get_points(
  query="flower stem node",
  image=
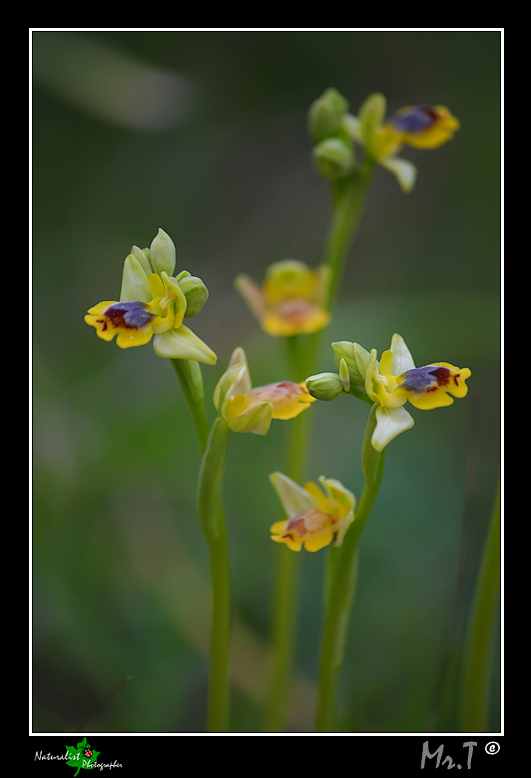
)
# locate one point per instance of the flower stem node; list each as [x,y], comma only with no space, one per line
[290,300]
[325,386]
[246,409]
[317,515]
[153,304]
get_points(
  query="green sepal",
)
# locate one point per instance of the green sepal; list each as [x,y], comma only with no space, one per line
[230,382]
[135,284]
[390,422]
[402,358]
[181,343]
[294,498]
[257,419]
[143,258]
[404,171]
[211,478]
[371,115]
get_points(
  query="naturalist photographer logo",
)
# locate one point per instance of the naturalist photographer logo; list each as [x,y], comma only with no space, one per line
[82,757]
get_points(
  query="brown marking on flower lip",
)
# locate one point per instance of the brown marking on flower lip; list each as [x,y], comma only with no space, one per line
[431,112]
[456,376]
[117,318]
[298,526]
[442,374]
[294,310]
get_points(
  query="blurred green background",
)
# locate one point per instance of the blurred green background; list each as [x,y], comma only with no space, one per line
[204,134]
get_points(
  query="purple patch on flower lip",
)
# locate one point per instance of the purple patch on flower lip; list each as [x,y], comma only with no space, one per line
[133,315]
[417,119]
[425,379]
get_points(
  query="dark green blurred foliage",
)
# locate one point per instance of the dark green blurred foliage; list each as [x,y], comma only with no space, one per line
[204,134]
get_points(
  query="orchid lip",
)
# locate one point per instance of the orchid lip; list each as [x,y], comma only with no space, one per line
[417,119]
[425,379]
[131,315]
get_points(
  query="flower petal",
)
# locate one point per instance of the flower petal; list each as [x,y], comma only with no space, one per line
[294,317]
[341,500]
[318,540]
[431,386]
[288,398]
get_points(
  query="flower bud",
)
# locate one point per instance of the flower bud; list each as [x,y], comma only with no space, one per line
[195,292]
[326,114]
[325,386]
[162,253]
[333,158]
[355,358]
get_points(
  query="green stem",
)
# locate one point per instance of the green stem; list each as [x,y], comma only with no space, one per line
[219,682]
[339,601]
[349,196]
[212,523]
[189,375]
[285,596]
[477,662]
[348,199]
[213,446]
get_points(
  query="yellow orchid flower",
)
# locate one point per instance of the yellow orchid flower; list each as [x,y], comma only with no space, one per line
[394,380]
[419,126]
[246,409]
[153,304]
[424,126]
[291,299]
[317,516]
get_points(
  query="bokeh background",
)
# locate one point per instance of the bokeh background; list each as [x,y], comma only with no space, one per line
[204,134]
